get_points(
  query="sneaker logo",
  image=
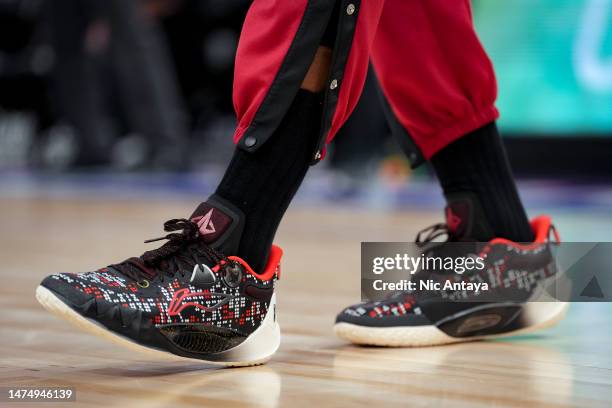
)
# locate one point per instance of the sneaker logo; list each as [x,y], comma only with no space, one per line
[180,301]
[452,220]
[476,323]
[205,223]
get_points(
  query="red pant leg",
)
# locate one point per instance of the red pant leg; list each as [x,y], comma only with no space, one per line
[434,71]
[278,42]
[269,29]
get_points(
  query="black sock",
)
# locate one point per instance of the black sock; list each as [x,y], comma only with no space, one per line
[263,183]
[483,202]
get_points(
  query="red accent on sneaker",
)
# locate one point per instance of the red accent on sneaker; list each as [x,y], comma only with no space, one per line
[541,226]
[459,214]
[453,221]
[271,268]
[176,305]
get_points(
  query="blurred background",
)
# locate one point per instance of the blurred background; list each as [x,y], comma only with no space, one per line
[135,96]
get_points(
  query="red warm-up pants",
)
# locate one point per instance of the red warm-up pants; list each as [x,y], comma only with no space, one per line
[432,68]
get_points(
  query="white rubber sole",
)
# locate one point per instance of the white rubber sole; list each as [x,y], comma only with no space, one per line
[257,349]
[540,315]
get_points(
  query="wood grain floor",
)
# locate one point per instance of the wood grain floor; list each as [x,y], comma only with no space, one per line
[570,365]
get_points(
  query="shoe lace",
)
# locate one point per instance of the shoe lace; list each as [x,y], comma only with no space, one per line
[182,251]
[432,232]
[425,239]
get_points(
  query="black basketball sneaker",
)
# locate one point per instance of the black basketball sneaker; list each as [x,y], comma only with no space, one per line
[515,273]
[186,298]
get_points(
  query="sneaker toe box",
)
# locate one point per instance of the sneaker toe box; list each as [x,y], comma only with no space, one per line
[66,287]
[74,293]
[363,315]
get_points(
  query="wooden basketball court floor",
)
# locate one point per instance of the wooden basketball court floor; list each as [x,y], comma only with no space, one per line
[570,365]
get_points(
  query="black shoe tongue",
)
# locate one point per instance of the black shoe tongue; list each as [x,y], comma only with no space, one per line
[220,224]
[465,218]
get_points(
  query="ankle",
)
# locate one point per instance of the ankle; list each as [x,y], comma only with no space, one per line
[477,164]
